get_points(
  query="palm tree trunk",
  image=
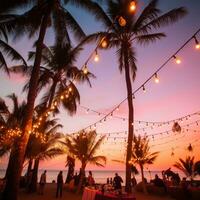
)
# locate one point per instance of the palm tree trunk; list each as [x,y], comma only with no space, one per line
[53,90]
[12,183]
[143,181]
[9,167]
[82,176]
[130,124]
[33,185]
[29,165]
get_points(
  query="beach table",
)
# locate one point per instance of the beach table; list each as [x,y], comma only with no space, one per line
[89,194]
[100,196]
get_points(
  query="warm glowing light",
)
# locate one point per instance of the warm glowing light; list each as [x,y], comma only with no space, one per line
[104,43]
[132,6]
[130,162]
[55,103]
[122,21]
[177,60]
[62,97]
[117,108]
[70,89]
[96,57]
[197,46]
[85,69]
[156,79]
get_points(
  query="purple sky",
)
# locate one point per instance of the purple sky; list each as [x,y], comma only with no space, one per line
[176,95]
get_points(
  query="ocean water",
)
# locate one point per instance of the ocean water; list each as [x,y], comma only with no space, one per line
[99,176]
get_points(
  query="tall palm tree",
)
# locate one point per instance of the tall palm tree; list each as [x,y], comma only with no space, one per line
[41,16]
[59,71]
[126,29]
[188,166]
[45,144]
[84,148]
[141,155]
[10,120]
[70,163]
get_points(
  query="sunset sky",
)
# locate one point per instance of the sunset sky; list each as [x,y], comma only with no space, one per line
[175,96]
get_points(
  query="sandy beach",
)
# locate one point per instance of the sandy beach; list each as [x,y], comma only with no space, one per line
[50,190]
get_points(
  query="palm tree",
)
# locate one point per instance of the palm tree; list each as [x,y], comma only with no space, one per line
[10,121]
[71,166]
[58,71]
[188,166]
[45,144]
[141,155]
[45,13]
[126,29]
[84,148]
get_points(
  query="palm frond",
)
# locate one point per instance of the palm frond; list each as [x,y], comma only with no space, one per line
[149,38]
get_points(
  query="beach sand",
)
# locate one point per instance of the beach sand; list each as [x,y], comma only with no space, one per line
[50,191]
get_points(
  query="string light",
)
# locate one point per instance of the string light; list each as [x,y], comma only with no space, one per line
[197,45]
[85,69]
[156,79]
[104,43]
[132,6]
[177,60]
[70,89]
[123,23]
[96,57]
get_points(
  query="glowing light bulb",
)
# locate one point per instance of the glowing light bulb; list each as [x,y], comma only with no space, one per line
[197,46]
[70,89]
[62,97]
[96,57]
[132,6]
[177,60]
[156,79]
[122,21]
[104,43]
[85,70]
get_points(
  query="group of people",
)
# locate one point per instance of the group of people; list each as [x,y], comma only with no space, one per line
[59,182]
[117,181]
[172,180]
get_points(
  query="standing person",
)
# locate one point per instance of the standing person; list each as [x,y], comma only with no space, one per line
[111,181]
[76,179]
[118,183]
[59,184]
[42,182]
[91,181]
[134,182]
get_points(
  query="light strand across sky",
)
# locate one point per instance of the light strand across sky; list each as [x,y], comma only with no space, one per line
[154,75]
